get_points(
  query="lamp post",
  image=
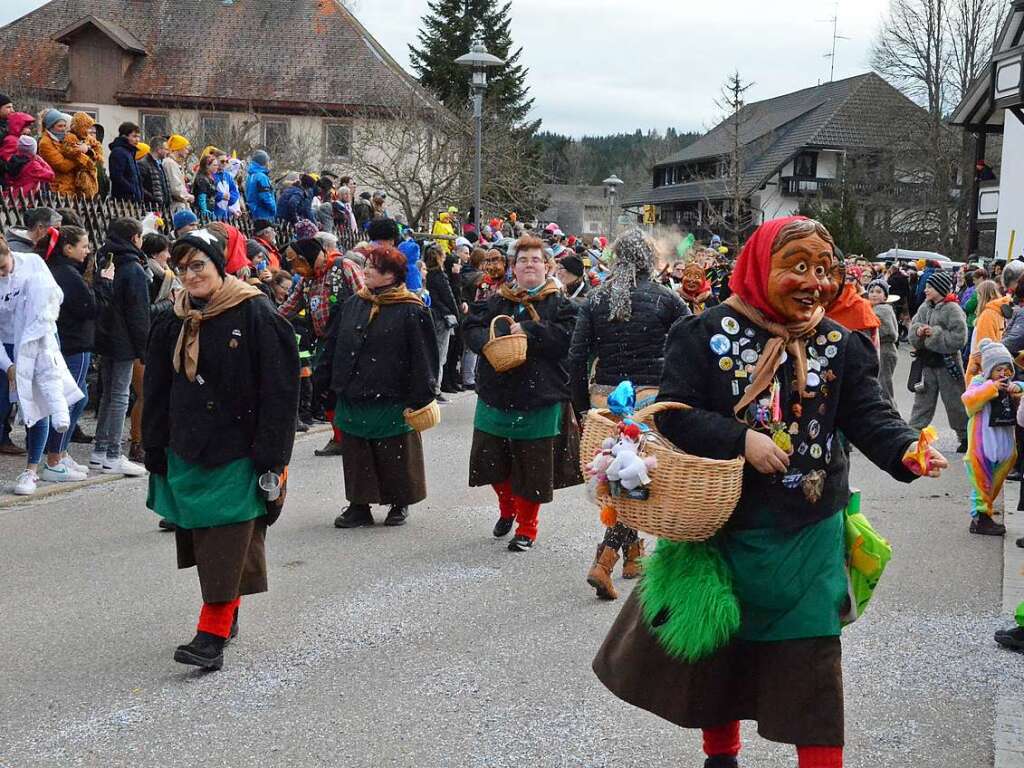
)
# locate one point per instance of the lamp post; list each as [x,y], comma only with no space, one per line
[612,183]
[478,60]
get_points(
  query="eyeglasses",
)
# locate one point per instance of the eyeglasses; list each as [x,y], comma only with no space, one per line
[196,266]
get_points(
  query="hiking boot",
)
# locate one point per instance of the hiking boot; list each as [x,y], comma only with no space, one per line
[354,516]
[600,574]
[631,567]
[721,761]
[136,453]
[7,448]
[78,436]
[520,543]
[331,449]
[983,525]
[205,650]
[1011,638]
[397,515]
[503,526]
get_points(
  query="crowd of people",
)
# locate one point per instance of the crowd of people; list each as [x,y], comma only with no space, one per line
[215,348]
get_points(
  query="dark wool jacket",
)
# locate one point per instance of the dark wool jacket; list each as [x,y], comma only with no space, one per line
[442,300]
[123,327]
[843,378]
[125,180]
[154,182]
[633,350]
[394,359]
[243,401]
[76,325]
[543,379]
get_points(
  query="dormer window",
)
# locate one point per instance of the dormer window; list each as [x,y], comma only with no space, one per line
[805,165]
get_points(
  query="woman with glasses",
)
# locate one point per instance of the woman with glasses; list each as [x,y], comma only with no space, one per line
[525,437]
[222,388]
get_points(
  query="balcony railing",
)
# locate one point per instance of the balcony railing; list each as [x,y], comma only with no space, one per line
[829,189]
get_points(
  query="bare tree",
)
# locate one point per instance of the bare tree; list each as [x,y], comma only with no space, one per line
[972,28]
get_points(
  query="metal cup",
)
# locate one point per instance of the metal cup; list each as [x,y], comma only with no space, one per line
[270,485]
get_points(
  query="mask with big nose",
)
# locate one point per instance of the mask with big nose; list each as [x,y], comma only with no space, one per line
[799,279]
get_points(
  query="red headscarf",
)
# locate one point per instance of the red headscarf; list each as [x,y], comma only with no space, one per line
[235,254]
[750,277]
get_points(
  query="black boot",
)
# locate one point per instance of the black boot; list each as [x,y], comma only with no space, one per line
[166,525]
[301,426]
[331,449]
[984,525]
[354,516]
[503,526]
[1011,638]
[397,515]
[721,761]
[205,650]
[962,448]
[78,436]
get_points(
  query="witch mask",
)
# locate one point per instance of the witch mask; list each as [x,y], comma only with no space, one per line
[799,279]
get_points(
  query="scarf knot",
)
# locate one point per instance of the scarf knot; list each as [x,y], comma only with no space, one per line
[527,299]
[395,295]
[186,352]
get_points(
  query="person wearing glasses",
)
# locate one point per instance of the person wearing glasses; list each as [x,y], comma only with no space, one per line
[222,389]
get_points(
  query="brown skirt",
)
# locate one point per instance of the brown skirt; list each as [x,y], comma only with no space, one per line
[385,470]
[792,688]
[536,468]
[231,559]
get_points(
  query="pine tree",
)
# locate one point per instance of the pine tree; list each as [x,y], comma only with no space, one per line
[448,30]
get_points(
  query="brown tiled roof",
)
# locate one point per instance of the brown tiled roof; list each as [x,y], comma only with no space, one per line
[261,54]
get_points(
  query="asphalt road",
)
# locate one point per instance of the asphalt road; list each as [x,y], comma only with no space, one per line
[432,645]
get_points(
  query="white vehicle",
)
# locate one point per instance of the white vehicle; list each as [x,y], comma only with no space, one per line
[901,254]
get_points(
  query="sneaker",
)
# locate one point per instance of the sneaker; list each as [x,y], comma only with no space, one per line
[122,466]
[205,650]
[354,516]
[73,465]
[983,525]
[25,485]
[1011,638]
[97,459]
[503,526]
[397,515]
[7,448]
[60,473]
[519,544]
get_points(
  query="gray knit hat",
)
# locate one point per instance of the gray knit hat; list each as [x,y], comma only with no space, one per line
[992,354]
[941,282]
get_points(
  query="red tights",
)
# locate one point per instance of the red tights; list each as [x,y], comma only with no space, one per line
[216,618]
[725,741]
[511,506]
[330,420]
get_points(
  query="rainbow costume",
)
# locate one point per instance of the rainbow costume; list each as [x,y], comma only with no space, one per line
[991,445]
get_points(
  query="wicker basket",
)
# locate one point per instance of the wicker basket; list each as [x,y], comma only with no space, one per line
[505,352]
[690,497]
[424,418]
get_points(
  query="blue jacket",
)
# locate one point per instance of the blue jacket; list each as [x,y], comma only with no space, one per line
[227,194]
[294,204]
[413,278]
[259,194]
[125,179]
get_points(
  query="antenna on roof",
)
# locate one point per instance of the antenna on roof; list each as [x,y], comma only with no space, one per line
[836,37]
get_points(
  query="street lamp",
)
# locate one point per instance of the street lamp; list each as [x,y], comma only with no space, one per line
[478,60]
[612,183]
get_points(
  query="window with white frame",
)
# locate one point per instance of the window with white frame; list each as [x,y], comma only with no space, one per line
[275,133]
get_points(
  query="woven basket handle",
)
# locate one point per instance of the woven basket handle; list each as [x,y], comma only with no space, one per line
[647,414]
[511,322]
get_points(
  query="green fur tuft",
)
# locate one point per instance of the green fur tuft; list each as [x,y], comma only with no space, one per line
[687,599]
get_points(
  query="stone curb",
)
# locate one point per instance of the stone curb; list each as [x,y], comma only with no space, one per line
[1009,720]
[48,490]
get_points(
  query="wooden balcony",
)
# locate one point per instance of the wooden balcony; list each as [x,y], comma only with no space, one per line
[830,189]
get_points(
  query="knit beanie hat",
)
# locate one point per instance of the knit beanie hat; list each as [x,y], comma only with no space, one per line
[308,249]
[992,354]
[5,100]
[141,150]
[305,229]
[183,219]
[176,142]
[879,284]
[261,158]
[941,282]
[26,145]
[573,264]
[206,241]
[53,116]
[260,224]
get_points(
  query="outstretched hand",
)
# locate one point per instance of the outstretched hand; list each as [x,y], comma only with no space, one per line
[935,463]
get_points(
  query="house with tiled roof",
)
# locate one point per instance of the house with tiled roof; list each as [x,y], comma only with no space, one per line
[792,147]
[257,72]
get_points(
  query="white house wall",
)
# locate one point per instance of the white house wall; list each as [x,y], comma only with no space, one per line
[1010,222]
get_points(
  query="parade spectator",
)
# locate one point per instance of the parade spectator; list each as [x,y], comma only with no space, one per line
[38,222]
[296,201]
[992,315]
[121,337]
[525,438]
[221,392]
[65,160]
[155,185]
[81,138]
[18,124]
[183,222]
[444,310]
[27,171]
[323,204]
[569,273]
[204,188]
[378,206]
[781,665]
[125,181]
[938,332]
[227,188]
[35,375]
[623,326]
[363,210]
[178,148]
[266,235]
[443,230]
[345,225]
[6,110]
[380,359]
[66,256]
[888,337]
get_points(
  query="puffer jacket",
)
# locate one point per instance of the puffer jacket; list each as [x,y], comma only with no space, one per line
[123,327]
[949,330]
[633,350]
[16,123]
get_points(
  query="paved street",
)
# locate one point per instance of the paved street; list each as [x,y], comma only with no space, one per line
[431,645]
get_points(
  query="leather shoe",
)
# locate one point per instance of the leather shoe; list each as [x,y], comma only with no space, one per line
[397,515]
[354,516]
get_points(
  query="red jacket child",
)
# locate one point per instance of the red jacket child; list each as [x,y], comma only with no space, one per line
[27,171]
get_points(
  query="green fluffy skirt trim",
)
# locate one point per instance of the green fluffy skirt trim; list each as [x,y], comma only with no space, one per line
[687,599]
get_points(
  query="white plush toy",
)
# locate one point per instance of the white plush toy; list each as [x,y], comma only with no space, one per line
[628,468]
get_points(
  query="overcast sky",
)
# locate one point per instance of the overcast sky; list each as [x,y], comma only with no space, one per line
[603,66]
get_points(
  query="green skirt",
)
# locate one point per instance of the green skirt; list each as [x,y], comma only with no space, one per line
[193,496]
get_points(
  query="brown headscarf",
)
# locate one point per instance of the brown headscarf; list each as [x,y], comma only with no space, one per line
[232,293]
[790,337]
[526,299]
[397,294]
